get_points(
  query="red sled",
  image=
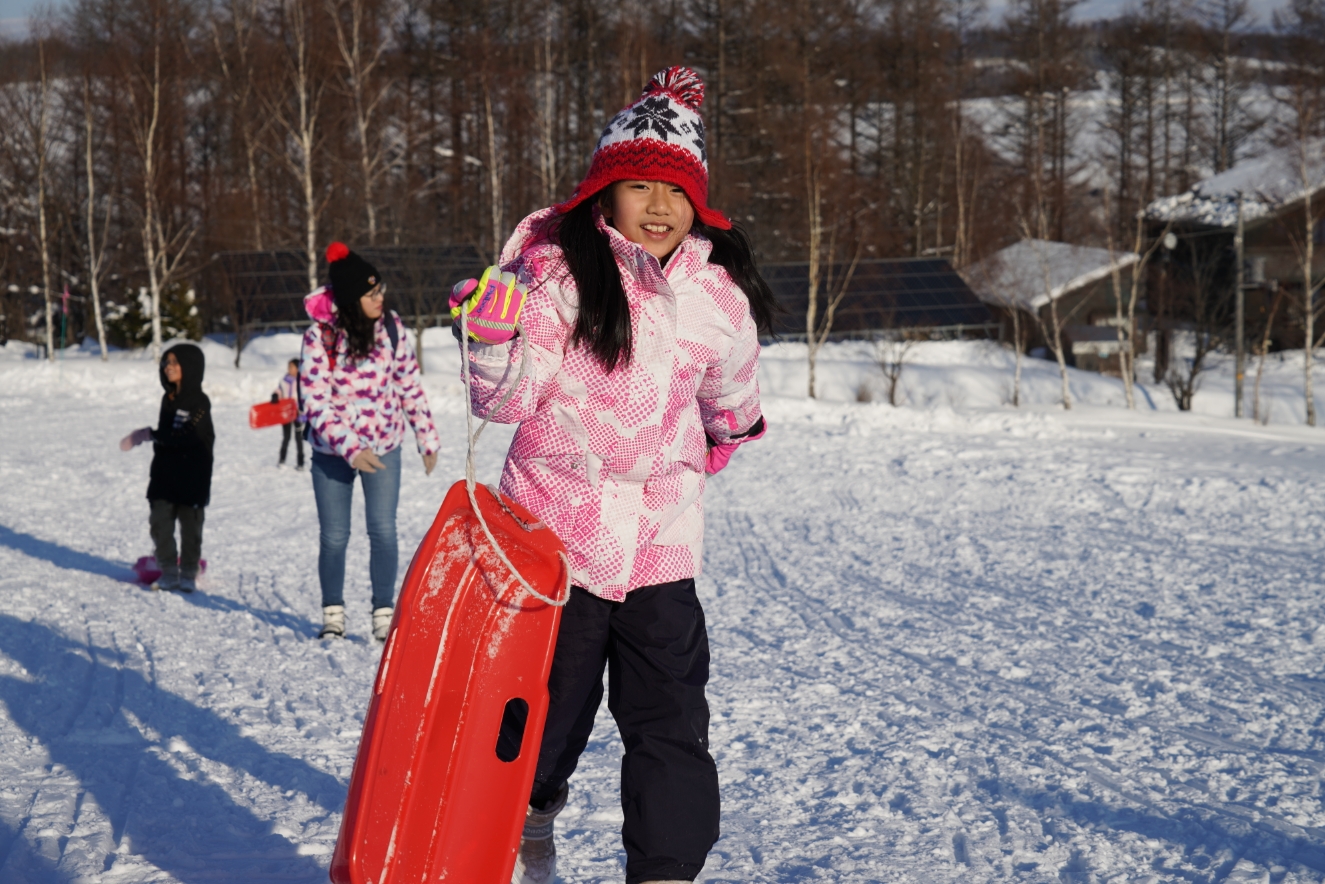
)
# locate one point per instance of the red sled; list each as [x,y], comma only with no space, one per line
[148,570]
[271,414]
[434,796]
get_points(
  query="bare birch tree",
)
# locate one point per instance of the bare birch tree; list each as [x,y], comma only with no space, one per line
[235,54]
[1262,353]
[1303,97]
[363,42]
[41,141]
[1125,322]
[1053,330]
[164,248]
[96,252]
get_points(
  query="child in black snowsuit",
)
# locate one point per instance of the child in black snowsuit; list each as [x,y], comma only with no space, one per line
[181,478]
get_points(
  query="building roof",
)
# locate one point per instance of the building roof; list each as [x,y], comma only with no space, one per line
[1267,184]
[918,293]
[1030,273]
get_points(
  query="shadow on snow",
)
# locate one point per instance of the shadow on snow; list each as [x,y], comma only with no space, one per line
[113,730]
[72,559]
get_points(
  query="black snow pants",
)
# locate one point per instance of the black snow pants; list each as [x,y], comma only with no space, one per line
[297,431]
[162,524]
[656,651]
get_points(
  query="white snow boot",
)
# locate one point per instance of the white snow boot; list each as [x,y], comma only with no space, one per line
[187,583]
[333,622]
[537,861]
[168,581]
[382,622]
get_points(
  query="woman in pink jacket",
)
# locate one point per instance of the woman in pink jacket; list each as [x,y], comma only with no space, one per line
[361,386]
[640,309]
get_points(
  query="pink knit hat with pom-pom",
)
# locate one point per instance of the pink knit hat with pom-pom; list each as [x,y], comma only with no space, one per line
[658,138]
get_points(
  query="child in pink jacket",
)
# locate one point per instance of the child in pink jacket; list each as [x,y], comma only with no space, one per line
[639,310]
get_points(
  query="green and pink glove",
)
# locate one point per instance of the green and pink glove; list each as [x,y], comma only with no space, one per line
[492,304]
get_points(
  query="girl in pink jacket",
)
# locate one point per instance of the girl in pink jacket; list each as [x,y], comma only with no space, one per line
[639,310]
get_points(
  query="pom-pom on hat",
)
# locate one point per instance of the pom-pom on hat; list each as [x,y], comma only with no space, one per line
[351,276]
[658,138]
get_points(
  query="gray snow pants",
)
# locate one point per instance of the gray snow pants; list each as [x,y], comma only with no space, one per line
[162,522]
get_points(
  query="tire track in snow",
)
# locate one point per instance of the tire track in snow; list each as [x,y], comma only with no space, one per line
[1036,701]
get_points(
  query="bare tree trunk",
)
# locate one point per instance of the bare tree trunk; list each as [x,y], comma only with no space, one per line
[494,177]
[1115,276]
[816,234]
[547,148]
[41,205]
[1138,273]
[241,82]
[1308,297]
[1260,365]
[1056,341]
[308,98]
[147,147]
[1016,357]
[95,256]
[360,66]
[162,266]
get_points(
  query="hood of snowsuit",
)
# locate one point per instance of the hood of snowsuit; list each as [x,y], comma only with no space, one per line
[192,365]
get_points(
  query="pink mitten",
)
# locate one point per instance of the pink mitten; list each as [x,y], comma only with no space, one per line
[136,438]
[492,304]
[719,455]
[321,306]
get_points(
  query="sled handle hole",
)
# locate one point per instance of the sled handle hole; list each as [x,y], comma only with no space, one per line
[511,735]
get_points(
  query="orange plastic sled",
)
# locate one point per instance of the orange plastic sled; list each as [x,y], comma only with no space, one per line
[271,414]
[433,796]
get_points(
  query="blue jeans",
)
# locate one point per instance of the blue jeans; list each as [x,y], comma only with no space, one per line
[333,488]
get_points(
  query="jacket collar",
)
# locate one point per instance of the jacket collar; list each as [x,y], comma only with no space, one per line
[692,253]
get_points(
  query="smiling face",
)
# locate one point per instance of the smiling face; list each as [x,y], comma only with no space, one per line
[174,373]
[653,214]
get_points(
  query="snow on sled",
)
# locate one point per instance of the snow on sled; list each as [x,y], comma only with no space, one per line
[148,570]
[436,795]
[271,414]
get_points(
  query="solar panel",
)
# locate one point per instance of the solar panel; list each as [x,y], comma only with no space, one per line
[268,287]
[914,293]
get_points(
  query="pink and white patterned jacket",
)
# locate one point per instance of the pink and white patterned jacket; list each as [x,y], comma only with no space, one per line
[362,405]
[614,463]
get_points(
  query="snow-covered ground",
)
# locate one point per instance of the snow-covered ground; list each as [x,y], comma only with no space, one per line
[953,641]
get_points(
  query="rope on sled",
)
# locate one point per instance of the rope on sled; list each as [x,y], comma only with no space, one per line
[471,437]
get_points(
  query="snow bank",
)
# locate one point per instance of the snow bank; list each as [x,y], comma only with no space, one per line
[978,375]
[953,375]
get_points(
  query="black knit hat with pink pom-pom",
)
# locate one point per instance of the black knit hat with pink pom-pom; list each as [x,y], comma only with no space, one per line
[351,276]
[658,138]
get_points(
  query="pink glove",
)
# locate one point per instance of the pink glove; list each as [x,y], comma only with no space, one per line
[320,306]
[492,304]
[720,453]
[136,438]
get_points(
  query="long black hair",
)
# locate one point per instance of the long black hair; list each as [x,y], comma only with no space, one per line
[360,331]
[603,324]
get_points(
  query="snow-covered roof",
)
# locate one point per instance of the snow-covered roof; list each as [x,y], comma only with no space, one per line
[1267,183]
[1029,273]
